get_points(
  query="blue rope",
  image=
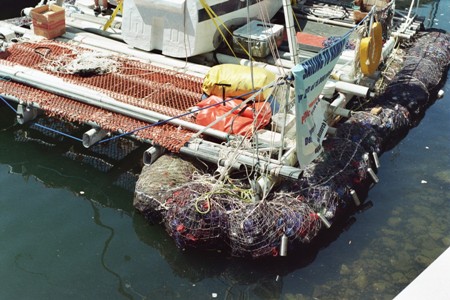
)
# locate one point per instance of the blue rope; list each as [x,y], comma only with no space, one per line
[9,105]
[178,116]
[59,132]
[141,128]
[165,121]
[42,126]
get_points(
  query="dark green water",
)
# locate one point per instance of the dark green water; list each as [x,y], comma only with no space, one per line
[68,231]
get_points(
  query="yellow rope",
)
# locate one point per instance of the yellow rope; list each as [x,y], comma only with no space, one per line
[213,16]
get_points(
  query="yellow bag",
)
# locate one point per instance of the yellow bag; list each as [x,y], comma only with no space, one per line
[236,80]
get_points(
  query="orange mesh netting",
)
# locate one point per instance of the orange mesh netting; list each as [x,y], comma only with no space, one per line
[136,83]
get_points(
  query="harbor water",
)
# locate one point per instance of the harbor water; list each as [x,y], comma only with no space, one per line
[69,230]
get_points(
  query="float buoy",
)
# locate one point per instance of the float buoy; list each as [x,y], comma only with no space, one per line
[370,50]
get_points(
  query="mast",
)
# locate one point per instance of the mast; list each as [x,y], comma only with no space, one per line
[290,30]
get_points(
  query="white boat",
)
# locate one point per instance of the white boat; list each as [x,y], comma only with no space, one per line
[184,28]
[281,173]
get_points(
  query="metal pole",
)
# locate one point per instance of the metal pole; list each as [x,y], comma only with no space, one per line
[58,86]
[288,15]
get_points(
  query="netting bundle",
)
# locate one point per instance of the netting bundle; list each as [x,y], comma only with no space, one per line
[152,192]
[256,230]
[407,92]
[205,213]
[360,133]
[422,69]
[434,46]
[196,216]
[389,124]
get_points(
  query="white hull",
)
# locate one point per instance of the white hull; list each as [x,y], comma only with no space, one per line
[182,28]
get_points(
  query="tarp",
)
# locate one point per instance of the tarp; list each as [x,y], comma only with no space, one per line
[310,78]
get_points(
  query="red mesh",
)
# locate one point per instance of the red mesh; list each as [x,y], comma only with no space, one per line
[135,83]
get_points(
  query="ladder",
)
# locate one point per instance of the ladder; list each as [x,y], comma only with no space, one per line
[119,8]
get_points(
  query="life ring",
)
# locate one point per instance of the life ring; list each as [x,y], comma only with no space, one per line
[370,50]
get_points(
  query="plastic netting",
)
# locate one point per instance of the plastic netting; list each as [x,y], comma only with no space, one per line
[407,92]
[154,186]
[206,212]
[390,123]
[421,69]
[434,46]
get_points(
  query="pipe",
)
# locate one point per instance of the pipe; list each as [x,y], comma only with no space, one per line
[58,86]
[373,175]
[26,113]
[355,197]
[290,29]
[388,47]
[339,111]
[324,220]
[283,245]
[326,21]
[210,158]
[376,159]
[211,153]
[340,101]
[337,107]
[351,88]
[152,154]
[92,136]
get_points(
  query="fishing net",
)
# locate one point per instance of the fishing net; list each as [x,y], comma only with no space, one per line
[206,213]
[341,163]
[360,133]
[434,46]
[197,215]
[127,181]
[326,183]
[390,123]
[96,162]
[407,92]
[322,198]
[56,126]
[84,64]
[350,45]
[202,211]
[155,184]
[116,149]
[422,69]
[256,229]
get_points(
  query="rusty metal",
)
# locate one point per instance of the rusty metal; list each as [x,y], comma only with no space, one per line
[136,83]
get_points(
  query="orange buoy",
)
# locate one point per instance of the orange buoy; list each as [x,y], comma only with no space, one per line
[370,50]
